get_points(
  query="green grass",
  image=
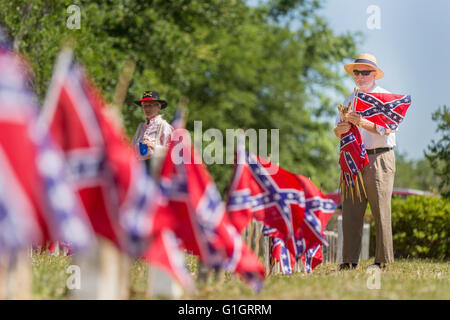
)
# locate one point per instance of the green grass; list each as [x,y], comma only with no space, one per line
[49,276]
[404,279]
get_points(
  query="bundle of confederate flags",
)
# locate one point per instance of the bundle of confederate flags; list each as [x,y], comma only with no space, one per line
[386,111]
[69,174]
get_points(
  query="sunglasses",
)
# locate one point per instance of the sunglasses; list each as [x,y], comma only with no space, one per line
[363,72]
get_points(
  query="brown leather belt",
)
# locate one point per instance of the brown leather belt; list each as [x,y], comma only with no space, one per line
[378,150]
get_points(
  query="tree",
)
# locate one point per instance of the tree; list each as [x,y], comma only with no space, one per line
[239,66]
[439,151]
[414,174]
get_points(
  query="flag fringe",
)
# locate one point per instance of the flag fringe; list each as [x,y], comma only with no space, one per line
[358,190]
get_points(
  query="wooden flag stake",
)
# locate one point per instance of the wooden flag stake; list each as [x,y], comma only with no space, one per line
[160,283]
[105,270]
[120,92]
[21,277]
[88,263]
[114,281]
[115,265]
[114,272]
[15,276]
[4,267]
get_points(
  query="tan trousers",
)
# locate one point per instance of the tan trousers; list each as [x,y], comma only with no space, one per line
[378,179]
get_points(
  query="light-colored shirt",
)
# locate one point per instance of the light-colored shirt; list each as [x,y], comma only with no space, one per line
[157,130]
[373,140]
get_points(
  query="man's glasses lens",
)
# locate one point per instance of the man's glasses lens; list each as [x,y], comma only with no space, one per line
[363,72]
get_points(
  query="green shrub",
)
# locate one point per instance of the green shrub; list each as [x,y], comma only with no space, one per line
[420,227]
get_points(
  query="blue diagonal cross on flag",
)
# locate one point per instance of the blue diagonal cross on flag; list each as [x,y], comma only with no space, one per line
[385,109]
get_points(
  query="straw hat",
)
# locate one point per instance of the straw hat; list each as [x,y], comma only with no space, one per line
[366,59]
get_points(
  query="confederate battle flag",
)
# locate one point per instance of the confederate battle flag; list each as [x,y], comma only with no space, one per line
[116,193]
[37,202]
[203,228]
[286,203]
[353,156]
[384,109]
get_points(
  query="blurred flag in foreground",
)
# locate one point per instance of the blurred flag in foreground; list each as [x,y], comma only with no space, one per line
[117,194]
[37,202]
[164,251]
[203,227]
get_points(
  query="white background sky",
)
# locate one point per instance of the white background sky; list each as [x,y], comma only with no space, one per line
[412,47]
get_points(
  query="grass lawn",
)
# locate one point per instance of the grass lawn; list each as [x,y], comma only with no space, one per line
[404,279]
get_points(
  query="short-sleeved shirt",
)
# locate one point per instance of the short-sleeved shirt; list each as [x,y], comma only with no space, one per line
[157,130]
[373,140]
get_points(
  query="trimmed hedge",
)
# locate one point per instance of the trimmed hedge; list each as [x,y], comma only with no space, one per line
[420,227]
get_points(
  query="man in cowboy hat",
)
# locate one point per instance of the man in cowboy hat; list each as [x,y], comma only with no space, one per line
[378,176]
[155,131]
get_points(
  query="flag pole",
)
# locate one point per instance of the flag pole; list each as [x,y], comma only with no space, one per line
[16,275]
[267,252]
[121,90]
[115,265]
[106,270]
[21,287]
[4,266]
[159,283]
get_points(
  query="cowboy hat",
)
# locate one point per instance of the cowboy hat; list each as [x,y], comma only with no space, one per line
[151,96]
[366,59]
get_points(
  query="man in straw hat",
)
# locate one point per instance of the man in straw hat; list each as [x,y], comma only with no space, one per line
[155,131]
[377,177]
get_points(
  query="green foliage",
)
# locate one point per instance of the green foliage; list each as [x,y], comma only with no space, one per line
[415,174]
[38,29]
[420,227]
[439,151]
[49,284]
[238,65]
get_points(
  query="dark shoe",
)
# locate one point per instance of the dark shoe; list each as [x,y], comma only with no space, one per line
[347,266]
[344,266]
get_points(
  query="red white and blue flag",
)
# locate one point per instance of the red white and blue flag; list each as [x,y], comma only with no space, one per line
[202,225]
[278,201]
[318,207]
[37,201]
[164,252]
[353,156]
[385,109]
[312,258]
[117,194]
[283,256]
[293,211]
[272,199]
[316,204]
[278,247]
